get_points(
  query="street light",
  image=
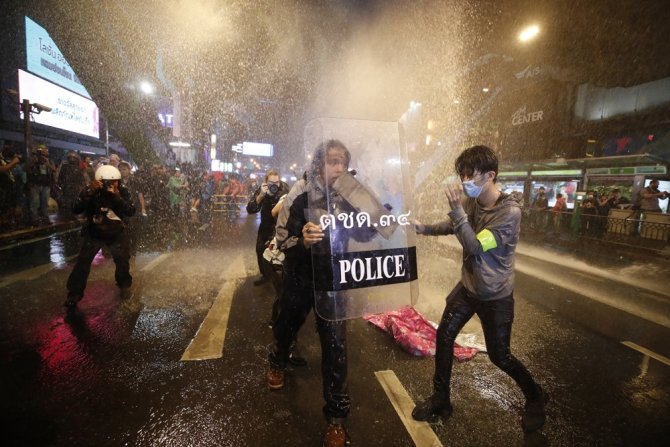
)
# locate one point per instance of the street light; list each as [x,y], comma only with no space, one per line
[146,88]
[529,33]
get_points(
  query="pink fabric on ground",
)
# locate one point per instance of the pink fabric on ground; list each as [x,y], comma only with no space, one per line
[414,333]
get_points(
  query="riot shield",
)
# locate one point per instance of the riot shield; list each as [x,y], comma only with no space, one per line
[366,263]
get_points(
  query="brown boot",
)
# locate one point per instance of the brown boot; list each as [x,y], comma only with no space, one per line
[275,378]
[336,436]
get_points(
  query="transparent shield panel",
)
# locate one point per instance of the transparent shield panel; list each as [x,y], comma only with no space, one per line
[366,262]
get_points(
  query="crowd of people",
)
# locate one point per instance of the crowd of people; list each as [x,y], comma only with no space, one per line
[32,190]
[485,220]
[594,208]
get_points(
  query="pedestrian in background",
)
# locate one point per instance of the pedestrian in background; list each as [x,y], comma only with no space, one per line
[651,196]
[8,202]
[71,182]
[540,207]
[40,171]
[486,223]
[264,199]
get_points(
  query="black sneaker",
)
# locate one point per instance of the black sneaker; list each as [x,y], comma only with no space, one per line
[432,409]
[534,415]
[294,357]
[296,360]
[125,293]
[260,281]
[70,303]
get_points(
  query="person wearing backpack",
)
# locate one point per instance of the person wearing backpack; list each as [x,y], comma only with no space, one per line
[106,203]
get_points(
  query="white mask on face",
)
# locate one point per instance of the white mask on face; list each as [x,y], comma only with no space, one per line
[471,189]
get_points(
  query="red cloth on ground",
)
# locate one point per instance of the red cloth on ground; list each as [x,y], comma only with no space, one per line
[414,333]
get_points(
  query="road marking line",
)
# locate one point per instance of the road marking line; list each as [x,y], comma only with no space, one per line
[646,352]
[150,266]
[421,432]
[30,274]
[595,295]
[234,270]
[208,341]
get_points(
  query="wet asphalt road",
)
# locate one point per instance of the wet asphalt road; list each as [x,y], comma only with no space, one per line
[111,373]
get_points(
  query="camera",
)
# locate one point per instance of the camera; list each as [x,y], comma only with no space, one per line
[273,188]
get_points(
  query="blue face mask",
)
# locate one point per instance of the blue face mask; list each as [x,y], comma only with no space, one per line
[471,189]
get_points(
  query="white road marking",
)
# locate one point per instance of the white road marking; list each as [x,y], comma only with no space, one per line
[150,266]
[646,352]
[208,341]
[421,432]
[605,297]
[30,274]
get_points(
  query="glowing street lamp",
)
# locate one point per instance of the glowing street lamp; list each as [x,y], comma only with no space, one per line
[146,88]
[529,33]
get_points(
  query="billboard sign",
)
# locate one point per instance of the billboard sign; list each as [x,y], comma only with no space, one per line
[69,112]
[45,59]
[257,149]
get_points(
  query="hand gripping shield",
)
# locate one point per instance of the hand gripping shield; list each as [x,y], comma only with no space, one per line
[366,263]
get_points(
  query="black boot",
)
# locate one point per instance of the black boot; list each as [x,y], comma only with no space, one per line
[71,302]
[431,409]
[294,357]
[534,416]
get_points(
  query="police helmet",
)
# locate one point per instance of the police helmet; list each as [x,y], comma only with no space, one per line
[107,172]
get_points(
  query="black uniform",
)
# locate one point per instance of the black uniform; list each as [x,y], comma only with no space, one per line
[102,229]
[297,299]
[267,227]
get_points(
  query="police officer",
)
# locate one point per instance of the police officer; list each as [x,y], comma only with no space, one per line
[106,203]
[264,199]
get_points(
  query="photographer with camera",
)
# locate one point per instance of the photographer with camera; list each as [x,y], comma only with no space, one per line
[40,172]
[106,203]
[264,199]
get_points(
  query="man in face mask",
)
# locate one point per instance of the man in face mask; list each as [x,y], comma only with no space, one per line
[486,223]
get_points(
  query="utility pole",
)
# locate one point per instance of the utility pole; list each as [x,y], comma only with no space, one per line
[26,107]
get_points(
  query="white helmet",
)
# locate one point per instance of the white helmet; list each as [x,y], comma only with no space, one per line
[107,172]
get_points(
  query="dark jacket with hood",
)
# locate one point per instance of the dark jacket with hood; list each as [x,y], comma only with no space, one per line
[489,238]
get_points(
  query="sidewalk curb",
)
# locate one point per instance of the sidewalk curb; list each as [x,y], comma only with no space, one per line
[43,230]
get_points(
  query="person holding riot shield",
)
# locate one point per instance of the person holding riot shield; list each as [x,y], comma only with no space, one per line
[486,224]
[297,238]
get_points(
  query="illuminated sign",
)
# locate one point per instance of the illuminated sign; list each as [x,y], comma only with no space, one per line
[513,174]
[521,117]
[558,172]
[628,170]
[166,119]
[69,112]
[257,149]
[45,59]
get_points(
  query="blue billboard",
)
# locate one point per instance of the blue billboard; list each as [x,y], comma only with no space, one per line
[45,59]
